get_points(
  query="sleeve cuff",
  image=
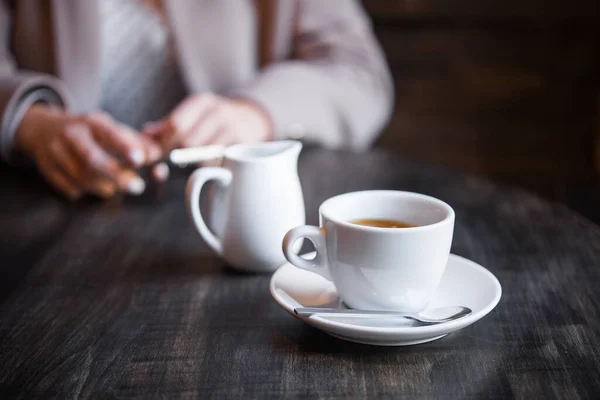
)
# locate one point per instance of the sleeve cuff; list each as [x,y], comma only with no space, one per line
[16,109]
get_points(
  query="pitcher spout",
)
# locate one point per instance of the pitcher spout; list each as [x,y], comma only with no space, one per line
[294,147]
[263,152]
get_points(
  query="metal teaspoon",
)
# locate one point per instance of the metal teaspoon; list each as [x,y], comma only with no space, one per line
[427,317]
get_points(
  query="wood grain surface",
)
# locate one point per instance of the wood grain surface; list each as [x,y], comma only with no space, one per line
[121,299]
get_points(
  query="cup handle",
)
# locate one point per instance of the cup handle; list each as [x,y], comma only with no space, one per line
[192,195]
[318,264]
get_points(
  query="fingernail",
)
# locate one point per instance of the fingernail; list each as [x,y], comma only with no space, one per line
[136,186]
[161,172]
[137,157]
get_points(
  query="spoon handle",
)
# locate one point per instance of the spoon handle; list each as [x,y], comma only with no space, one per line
[340,312]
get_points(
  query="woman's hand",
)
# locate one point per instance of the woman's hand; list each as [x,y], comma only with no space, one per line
[90,153]
[205,119]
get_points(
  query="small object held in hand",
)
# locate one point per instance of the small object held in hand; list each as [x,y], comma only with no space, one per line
[427,317]
[194,155]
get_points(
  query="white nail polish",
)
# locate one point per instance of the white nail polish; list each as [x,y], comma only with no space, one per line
[137,157]
[136,186]
[161,172]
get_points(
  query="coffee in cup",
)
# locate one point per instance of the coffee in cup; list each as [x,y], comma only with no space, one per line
[382,223]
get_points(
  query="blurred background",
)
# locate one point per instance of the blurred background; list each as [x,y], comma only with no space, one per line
[508,89]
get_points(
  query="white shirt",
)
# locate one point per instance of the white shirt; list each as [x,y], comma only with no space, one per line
[141,80]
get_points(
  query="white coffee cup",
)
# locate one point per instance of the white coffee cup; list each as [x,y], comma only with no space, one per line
[379,268]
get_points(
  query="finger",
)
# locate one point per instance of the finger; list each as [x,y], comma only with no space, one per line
[224,137]
[99,162]
[152,149]
[183,119]
[160,172]
[118,138]
[206,129]
[58,180]
[159,133]
[79,139]
[153,140]
[102,187]
[131,183]
[77,173]
[153,128]
[68,162]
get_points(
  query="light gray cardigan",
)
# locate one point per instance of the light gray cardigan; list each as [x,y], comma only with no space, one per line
[314,65]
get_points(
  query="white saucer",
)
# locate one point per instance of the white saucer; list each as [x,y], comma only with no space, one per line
[464,283]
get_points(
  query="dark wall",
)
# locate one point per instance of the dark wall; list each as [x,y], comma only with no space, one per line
[503,88]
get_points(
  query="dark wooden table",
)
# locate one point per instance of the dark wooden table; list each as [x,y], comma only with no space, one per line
[122,299]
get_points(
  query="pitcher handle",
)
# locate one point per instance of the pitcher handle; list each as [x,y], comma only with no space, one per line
[192,195]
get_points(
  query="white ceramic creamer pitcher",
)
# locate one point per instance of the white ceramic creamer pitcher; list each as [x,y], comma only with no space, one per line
[259,199]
